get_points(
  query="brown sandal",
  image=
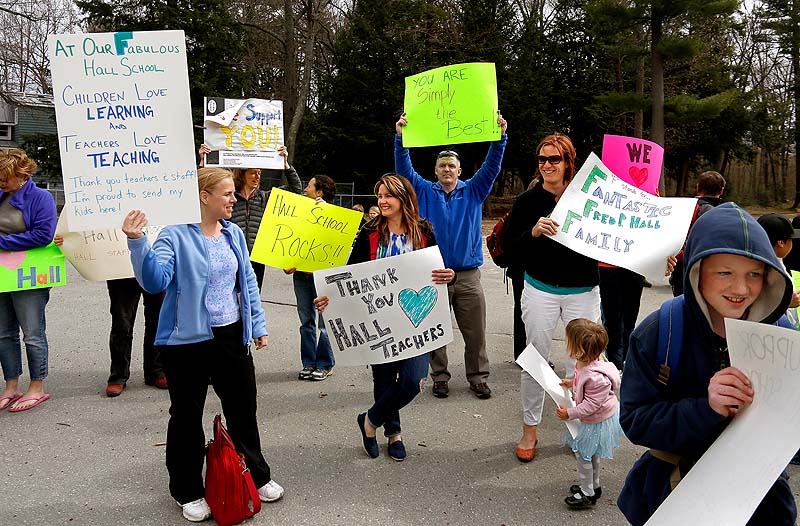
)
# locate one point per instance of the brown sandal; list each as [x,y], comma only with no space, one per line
[526,455]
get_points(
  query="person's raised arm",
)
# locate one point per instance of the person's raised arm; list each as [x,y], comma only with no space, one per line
[482,182]
[292,178]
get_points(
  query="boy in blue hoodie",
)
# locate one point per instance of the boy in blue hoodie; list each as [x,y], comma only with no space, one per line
[731,272]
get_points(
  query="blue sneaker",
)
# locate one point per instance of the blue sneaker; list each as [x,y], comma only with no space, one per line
[397,450]
[370,444]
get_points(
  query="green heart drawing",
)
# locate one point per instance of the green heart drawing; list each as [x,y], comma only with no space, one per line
[417,305]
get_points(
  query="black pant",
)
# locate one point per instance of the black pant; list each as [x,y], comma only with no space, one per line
[124,295]
[620,295]
[227,362]
[258,268]
[520,336]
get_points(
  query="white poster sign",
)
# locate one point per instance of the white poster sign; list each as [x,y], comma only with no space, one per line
[386,310]
[125,127]
[536,366]
[99,255]
[757,445]
[603,217]
[243,133]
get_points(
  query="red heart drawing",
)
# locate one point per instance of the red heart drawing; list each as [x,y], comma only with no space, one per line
[639,175]
[11,260]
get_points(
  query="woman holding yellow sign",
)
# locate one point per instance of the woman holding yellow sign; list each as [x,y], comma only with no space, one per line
[27,221]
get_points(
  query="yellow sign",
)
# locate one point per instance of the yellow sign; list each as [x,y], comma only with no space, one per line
[297,232]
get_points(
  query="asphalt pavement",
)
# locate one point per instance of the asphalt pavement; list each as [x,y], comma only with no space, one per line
[84,459]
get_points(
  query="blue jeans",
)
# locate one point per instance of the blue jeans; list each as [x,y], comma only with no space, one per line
[316,353]
[395,385]
[24,310]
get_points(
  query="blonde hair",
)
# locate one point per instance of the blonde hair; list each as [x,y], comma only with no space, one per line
[400,188]
[15,162]
[208,178]
[586,339]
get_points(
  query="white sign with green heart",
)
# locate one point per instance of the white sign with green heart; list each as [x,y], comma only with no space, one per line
[386,310]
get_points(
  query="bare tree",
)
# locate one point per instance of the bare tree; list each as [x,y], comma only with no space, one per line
[24,62]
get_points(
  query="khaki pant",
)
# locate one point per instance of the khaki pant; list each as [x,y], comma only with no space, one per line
[469,308]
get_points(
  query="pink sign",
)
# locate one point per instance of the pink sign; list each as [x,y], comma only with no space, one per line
[635,161]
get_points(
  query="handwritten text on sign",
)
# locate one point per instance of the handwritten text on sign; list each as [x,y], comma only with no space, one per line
[606,219]
[451,105]
[768,430]
[243,133]
[297,232]
[636,161]
[99,255]
[30,269]
[125,127]
[386,310]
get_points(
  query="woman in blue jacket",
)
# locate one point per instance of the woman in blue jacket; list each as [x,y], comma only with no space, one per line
[27,221]
[211,313]
[731,272]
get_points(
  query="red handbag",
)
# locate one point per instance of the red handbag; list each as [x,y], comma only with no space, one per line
[230,491]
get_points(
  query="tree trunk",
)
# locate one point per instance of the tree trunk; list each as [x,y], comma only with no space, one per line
[638,118]
[305,87]
[795,51]
[290,71]
[657,65]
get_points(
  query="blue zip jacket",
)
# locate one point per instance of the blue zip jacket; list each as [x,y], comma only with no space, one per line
[178,262]
[677,418]
[39,213]
[457,220]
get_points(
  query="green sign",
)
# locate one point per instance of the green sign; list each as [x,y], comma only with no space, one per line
[451,105]
[30,269]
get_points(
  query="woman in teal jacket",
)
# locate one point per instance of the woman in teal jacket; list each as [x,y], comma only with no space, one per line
[211,313]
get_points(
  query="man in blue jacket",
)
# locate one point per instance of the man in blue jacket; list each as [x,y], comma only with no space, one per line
[455,209]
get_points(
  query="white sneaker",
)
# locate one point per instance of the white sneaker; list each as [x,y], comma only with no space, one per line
[270,492]
[196,511]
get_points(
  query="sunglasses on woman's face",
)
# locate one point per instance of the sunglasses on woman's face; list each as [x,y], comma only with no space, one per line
[552,159]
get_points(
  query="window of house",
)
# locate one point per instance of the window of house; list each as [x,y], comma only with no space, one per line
[6,132]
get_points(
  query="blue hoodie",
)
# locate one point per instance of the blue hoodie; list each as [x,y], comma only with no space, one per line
[178,262]
[678,418]
[456,219]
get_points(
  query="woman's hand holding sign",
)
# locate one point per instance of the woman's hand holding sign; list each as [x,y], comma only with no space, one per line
[443,276]
[546,226]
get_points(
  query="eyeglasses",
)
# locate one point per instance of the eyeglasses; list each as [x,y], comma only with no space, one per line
[447,153]
[552,159]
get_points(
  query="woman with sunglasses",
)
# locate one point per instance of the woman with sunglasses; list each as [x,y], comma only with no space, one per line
[559,283]
[397,230]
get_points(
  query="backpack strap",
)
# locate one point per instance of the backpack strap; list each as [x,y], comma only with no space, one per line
[670,337]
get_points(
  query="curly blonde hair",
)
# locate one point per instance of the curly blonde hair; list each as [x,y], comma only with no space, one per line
[15,162]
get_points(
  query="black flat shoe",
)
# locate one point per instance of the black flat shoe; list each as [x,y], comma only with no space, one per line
[370,444]
[598,492]
[397,450]
[579,501]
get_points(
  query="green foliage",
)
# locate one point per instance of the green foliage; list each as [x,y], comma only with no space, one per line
[43,148]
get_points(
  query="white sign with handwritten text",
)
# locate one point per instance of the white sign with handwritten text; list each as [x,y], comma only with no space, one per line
[124,127]
[757,445]
[385,310]
[99,255]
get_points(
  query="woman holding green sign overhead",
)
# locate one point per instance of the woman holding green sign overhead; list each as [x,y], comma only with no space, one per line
[27,221]
[399,229]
